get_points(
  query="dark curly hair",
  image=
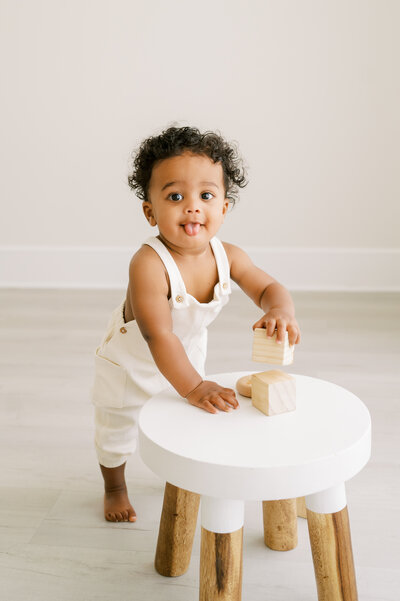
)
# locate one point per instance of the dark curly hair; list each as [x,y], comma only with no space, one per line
[176,140]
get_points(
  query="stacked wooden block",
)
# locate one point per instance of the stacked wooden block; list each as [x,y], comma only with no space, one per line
[272,392]
[268,350]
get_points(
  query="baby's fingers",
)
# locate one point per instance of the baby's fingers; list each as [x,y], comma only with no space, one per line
[207,406]
[229,397]
[270,327]
[281,327]
[212,403]
[294,335]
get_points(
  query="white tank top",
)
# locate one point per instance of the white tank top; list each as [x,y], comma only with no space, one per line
[124,344]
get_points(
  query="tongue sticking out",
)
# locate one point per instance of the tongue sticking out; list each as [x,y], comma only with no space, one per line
[192,228]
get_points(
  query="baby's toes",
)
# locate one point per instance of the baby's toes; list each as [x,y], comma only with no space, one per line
[131,515]
[124,515]
[110,517]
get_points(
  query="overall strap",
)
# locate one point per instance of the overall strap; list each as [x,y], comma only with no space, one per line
[178,290]
[222,265]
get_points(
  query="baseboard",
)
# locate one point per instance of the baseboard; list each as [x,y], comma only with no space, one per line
[350,269]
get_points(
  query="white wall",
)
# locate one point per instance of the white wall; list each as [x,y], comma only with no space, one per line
[308,88]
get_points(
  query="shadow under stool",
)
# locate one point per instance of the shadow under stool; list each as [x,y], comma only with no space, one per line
[224,459]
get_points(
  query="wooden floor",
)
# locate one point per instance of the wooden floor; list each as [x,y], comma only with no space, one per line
[54,542]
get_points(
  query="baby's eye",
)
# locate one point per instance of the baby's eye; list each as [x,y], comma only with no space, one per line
[174,195]
[210,196]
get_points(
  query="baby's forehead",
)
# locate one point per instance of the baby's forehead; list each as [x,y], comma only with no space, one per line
[186,167]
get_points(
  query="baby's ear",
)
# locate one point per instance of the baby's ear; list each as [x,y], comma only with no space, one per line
[148,212]
[225,206]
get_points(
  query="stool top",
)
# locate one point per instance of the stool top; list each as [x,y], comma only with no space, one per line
[245,454]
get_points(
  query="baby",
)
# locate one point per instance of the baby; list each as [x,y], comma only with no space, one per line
[178,283]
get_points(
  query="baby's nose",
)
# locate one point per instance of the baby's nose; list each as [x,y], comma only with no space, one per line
[192,206]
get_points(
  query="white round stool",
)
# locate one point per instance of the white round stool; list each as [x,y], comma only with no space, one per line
[227,458]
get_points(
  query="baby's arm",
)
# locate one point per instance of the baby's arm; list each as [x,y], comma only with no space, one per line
[149,299]
[267,293]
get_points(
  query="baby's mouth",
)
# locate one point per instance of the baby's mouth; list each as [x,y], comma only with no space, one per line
[192,228]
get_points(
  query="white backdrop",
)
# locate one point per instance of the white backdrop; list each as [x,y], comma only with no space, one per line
[309,89]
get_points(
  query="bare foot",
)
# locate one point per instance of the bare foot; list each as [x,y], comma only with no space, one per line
[117,507]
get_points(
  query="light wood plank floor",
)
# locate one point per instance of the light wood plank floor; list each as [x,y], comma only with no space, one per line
[54,542]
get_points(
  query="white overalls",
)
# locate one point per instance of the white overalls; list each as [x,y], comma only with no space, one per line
[125,372]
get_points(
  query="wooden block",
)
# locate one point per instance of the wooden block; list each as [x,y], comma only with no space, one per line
[243,386]
[273,392]
[267,350]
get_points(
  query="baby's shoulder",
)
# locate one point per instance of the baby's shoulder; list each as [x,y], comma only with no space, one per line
[233,252]
[146,264]
[145,253]
[146,257]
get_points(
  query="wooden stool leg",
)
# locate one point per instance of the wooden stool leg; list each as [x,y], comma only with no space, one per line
[301,507]
[332,555]
[280,524]
[177,529]
[221,566]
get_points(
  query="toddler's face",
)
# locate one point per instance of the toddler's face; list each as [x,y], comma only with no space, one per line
[186,200]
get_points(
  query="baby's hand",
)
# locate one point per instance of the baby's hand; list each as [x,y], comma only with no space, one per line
[210,395]
[282,321]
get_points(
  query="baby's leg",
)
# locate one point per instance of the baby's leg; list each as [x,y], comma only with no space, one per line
[117,507]
[115,440]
